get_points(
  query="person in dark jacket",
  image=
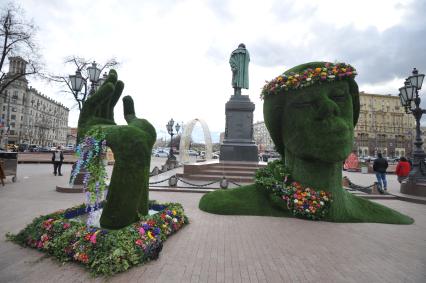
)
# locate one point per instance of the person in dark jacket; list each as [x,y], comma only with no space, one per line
[402,169]
[57,159]
[379,166]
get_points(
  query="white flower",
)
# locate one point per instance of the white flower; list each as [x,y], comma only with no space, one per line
[321,202]
[296,201]
[174,220]
[308,79]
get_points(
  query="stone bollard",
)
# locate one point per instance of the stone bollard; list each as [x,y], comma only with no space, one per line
[173,181]
[345,182]
[375,189]
[155,171]
[224,183]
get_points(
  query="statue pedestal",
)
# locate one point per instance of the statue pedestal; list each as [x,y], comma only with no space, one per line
[77,187]
[238,143]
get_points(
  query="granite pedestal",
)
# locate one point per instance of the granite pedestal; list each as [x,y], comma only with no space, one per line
[238,143]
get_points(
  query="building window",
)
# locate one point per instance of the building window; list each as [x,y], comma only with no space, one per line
[13,117]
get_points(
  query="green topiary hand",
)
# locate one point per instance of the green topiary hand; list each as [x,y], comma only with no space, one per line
[132,146]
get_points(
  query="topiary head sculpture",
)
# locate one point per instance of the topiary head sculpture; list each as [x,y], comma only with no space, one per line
[311,110]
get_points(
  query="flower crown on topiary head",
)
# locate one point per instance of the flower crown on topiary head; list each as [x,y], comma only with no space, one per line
[311,74]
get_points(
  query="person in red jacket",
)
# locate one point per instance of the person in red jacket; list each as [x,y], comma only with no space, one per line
[402,169]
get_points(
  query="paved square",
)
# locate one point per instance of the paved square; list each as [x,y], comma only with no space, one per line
[216,248]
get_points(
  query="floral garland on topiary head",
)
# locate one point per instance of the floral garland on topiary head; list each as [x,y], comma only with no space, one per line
[323,72]
[301,201]
[91,152]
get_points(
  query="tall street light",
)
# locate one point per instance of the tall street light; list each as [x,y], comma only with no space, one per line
[77,80]
[409,96]
[169,127]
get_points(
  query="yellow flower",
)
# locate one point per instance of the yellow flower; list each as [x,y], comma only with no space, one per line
[174,212]
[150,235]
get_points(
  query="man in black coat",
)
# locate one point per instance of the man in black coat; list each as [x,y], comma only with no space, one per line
[379,166]
[57,159]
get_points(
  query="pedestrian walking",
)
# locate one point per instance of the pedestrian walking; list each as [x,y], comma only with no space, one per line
[57,159]
[402,169]
[379,166]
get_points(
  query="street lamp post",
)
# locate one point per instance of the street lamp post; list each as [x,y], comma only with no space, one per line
[169,127]
[77,80]
[409,95]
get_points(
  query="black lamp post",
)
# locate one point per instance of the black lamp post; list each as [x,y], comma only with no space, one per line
[169,127]
[77,80]
[409,95]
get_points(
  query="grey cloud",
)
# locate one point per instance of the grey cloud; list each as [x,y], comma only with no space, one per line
[217,54]
[220,8]
[378,56]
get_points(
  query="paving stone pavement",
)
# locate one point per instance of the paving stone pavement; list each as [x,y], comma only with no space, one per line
[216,248]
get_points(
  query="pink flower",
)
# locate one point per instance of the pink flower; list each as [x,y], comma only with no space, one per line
[139,242]
[39,244]
[44,237]
[66,225]
[141,231]
[93,238]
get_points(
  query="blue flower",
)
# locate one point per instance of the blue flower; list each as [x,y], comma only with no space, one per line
[157,231]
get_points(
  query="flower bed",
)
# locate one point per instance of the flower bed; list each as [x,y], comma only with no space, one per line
[303,202]
[102,251]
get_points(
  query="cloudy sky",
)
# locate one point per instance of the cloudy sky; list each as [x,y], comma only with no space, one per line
[174,55]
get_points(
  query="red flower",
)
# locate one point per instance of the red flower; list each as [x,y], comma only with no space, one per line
[83,258]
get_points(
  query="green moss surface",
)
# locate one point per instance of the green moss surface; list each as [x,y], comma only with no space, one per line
[250,200]
[246,200]
[132,146]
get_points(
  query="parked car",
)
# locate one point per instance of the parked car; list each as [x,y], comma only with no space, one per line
[43,149]
[161,153]
[192,152]
[33,148]
[12,147]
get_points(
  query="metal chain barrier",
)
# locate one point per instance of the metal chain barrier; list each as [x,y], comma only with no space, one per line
[367,189]
[157,182]
[192,184]
[232,182]
[197,185]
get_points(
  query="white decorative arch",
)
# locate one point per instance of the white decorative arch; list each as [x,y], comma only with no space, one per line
[186,139]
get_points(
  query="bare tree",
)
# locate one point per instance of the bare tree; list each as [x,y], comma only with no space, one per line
[17,38]
[81,65]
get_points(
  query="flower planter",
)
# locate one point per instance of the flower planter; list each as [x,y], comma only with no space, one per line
[65,235]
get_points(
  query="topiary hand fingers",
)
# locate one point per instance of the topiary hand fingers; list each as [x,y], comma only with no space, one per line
[119,86]
[128,108]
